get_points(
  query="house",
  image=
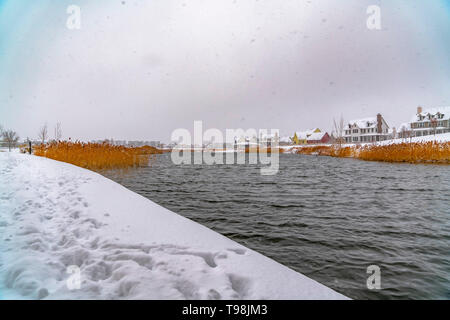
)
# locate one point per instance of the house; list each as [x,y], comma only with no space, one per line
[366,130]
[301,137]
[318,138]
[430,121]
[246,143]
[285,141]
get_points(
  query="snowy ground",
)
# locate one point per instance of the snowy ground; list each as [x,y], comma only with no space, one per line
[54,215]
[443,137]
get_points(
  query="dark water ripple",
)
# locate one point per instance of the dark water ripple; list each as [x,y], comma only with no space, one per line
[326,218]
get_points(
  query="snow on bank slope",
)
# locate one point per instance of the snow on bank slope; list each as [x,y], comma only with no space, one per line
[54,215]
[442,137]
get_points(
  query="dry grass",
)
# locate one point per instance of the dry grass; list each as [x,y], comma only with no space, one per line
[96,156]
[331,151]
[429,152]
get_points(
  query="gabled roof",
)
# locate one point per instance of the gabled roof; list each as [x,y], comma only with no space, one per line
[433,112]
[305,134]
[364,123]
[317,136]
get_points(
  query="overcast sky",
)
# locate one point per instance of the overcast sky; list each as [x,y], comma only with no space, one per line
[137,70]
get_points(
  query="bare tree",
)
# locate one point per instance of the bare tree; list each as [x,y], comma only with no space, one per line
[58,131]
[10,137]
[43,133]
[339,130]
[403,133]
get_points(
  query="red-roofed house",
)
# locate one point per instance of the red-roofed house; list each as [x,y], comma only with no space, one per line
[318,138]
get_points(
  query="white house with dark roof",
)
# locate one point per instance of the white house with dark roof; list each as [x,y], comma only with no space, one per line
[366,130]
[285,141]
[430,121]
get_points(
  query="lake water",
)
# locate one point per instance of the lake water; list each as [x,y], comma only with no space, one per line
[327,218]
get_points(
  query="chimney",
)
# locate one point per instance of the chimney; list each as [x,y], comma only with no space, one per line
[379,123]
[419,110]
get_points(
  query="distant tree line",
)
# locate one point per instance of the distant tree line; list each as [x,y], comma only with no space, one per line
[10,138]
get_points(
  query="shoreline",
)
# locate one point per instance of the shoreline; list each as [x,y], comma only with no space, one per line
[126,246]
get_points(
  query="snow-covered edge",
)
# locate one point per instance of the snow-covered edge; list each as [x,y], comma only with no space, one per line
[54,215]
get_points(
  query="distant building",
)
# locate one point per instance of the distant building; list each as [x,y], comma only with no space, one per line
[301,137]
[285,141]
[136,143]
[156,144]
[318,138]
[120,142]
[367,130]
[246,144]
[268,140]
[430,121]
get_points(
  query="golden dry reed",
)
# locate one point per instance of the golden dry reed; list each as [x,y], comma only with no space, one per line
[427,152]
[96,156]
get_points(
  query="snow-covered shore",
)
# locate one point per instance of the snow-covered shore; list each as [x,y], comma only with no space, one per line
[54,215]
[442,137]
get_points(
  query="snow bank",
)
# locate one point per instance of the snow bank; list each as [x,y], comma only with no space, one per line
[442,137]
[54,215]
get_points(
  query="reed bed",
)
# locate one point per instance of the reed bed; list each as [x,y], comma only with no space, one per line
[96,156]
[428,152]
[331,151]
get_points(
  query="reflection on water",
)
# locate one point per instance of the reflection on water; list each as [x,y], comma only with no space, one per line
[324,217]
